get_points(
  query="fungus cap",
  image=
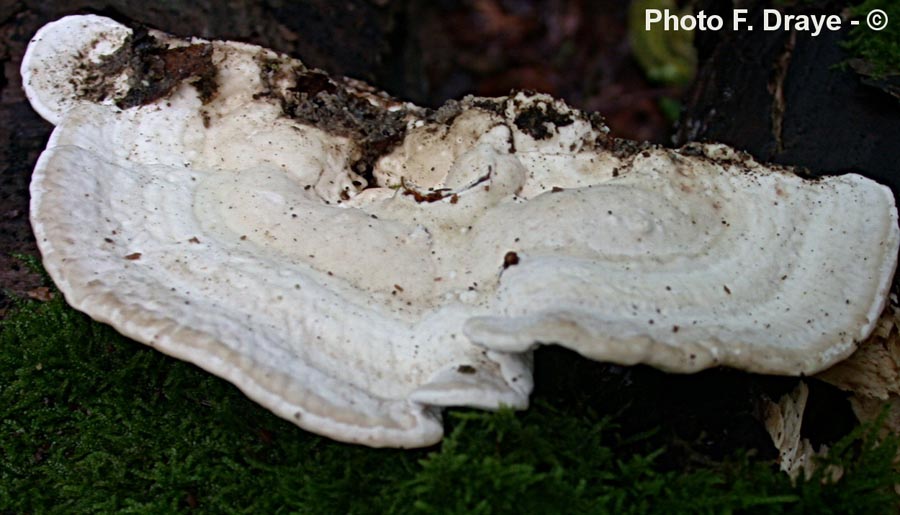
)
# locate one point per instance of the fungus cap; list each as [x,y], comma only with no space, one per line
[355,263]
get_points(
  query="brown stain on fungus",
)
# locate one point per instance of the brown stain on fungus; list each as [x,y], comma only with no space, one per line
[312,83]
[134,256]
[431,196]
[466,369]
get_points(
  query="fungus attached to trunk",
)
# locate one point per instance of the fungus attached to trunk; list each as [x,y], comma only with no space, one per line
[355,263]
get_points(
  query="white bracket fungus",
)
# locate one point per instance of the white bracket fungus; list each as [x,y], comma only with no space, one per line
[355,263]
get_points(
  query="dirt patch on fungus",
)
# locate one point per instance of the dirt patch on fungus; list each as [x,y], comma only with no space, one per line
[154,70]
[539,123]
[331,105]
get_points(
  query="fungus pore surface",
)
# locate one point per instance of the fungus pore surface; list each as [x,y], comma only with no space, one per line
[355,263]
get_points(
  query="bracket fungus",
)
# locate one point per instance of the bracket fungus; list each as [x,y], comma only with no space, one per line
[355,263]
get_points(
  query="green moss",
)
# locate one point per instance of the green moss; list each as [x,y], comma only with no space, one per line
[93,422]
[880,50]
[666,56]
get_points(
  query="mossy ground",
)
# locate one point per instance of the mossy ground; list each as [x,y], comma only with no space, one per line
[93,422]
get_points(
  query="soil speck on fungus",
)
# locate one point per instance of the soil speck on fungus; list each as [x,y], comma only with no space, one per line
[510,259]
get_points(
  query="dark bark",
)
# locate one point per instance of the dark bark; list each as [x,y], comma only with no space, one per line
[787,98]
